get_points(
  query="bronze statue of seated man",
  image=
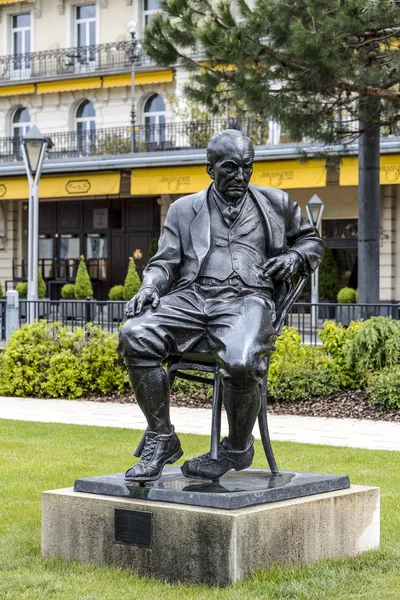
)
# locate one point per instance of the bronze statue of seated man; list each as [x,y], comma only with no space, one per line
[224,256]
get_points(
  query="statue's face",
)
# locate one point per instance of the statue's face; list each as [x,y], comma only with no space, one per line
[232,168]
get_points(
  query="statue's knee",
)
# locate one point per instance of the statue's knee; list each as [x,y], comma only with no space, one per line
[241,371]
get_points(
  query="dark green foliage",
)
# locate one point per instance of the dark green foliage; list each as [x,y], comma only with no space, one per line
[327,55]
[1,291]
[68,291]
[384,387]
[48,361]
[328,277]
[347,295]
[83,285]
[298,371]
[375,346]
[116,293]
[22,289]
[153,247]
[132,280]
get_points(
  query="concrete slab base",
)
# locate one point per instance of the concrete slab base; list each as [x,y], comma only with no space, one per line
[181,543]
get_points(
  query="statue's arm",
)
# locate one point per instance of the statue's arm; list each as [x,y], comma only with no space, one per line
[302,237]
[163,268]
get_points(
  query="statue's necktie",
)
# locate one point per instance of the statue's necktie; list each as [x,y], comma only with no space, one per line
[230,213]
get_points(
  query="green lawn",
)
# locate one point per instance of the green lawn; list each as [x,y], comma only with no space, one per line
[37,457]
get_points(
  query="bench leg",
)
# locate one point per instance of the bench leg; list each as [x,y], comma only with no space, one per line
[216,416]
[263,424]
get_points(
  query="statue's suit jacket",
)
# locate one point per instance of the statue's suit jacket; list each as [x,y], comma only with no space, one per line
[185,239]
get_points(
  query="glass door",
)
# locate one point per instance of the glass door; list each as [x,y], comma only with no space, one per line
[21,46]
[86,38]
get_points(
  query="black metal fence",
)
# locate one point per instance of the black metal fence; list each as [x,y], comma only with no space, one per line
[307,318]
[71,62]
[159,137]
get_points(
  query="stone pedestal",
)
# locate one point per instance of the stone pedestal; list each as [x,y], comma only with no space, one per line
[183,543]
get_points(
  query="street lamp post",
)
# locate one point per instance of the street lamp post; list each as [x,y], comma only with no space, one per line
[34,147]
[132,28]
[315,208]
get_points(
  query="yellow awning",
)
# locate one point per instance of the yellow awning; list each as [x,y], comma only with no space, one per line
[63,186]
[16,90]
[148,78]
[169,180]
[9,2]
[69,85]
[286,174]
[289,174]
[389,170]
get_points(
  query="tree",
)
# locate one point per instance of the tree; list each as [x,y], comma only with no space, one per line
[328,70]
[83,285]
[132,280]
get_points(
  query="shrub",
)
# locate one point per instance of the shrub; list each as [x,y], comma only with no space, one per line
[47,360]
[116,293]
[347,295]
[83,285]
[334,337]
[153,247]
[68,291]
[22,289]
[298,371]
[41,286]
[328,277]
[384,387]
[132,280]
[1,291]
[375,346]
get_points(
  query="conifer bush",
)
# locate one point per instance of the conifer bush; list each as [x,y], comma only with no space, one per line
[384,387]
[22,289]
[116,293]
[83,285]
[153,247]
[41,286]
[68,291]
[347,295]
[132,280]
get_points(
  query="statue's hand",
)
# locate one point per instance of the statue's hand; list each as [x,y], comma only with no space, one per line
[144,296]
[284,266]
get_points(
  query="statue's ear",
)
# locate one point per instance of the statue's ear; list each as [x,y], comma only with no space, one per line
[210,170]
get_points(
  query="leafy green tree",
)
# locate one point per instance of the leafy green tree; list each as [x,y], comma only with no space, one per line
[153,247]
[327,70]
[132,280]
[328,277]
[83,285]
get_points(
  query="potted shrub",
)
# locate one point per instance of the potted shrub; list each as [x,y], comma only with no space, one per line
[116,311]
[22,289]
[132,280]
[345,314]
[328,284]
[82,290]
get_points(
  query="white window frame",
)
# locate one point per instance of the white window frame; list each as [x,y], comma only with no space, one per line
[156,114]
[89,63]
[19,130]
[148,13]
[24,70]
[86,141]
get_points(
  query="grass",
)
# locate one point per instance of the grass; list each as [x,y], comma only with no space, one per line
[40,456]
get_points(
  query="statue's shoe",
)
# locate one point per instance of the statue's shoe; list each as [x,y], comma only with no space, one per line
[159,450]
[204,467]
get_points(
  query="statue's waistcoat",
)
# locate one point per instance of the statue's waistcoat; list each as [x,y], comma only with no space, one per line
[239,249]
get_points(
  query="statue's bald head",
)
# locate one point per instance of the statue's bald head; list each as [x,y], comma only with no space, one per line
[230,156]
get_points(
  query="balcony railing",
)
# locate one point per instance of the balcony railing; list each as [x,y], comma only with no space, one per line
[70,62]
[148,138]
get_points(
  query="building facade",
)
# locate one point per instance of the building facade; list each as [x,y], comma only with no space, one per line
[68,67]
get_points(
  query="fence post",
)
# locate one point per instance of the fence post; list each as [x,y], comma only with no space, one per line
[12,312]
[88,310]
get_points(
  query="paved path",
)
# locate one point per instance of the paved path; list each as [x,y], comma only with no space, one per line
[376,435]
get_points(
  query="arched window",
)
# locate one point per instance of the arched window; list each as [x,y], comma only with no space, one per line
[86,126]
[21,123]
[154,119]
[150,9]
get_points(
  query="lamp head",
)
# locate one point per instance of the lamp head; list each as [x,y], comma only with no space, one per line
[33,142]
[315,208]
[132,28]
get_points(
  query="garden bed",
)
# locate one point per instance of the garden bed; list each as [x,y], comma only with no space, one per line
[351,404]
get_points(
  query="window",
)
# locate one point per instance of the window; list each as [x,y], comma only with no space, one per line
[86,37]
[21,124]
[21,44]
[154,119]
[150,8]
[86,127]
